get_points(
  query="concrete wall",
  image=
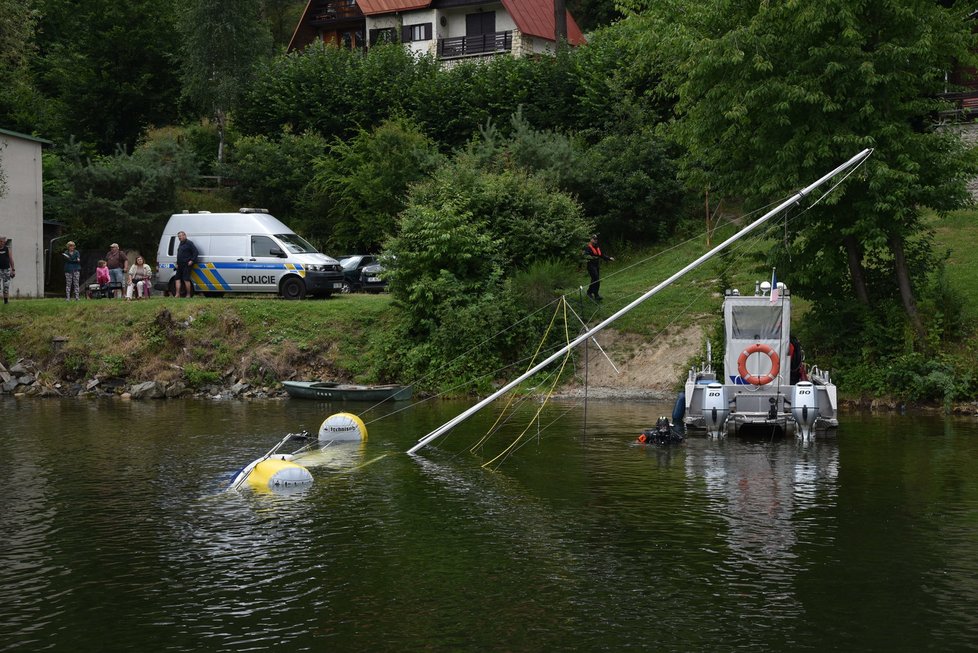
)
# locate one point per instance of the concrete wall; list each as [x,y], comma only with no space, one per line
[22,212]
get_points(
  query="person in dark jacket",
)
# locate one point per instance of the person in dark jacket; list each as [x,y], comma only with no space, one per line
[592,252]
[117,262]
[7,270]
[796,356]
[186,260]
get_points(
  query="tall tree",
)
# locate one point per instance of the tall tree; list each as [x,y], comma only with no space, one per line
[223,40]
[773,93]
[106,70]
[282,17]
[18,20]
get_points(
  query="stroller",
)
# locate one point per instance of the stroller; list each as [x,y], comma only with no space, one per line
[103,291]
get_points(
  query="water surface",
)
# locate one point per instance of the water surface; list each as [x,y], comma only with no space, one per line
[116,534]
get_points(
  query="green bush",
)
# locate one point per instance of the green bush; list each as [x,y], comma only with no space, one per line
[360,185]
[114,365]
[272,173]
[197,377]
[543,282]
[454,269]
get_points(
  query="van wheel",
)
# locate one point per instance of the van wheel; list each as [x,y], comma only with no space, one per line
[347,288]
[293,288]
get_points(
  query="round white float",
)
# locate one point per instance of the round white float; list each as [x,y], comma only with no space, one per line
[278,472]
[342,427]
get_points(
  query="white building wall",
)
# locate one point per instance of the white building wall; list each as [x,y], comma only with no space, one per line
[536,45]
[22,212]
[451,24]
[417,18]
[456,19]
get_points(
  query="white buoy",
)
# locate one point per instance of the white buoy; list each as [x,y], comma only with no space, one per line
[804,407]
[342,427]
[272,472]
[715,409]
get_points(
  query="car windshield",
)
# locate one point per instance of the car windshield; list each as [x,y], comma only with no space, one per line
[297,244]
[351,262]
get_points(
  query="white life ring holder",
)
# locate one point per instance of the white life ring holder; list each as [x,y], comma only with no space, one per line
[756,379]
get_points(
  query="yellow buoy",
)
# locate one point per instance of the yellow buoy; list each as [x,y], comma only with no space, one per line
[342,427]
[278,471]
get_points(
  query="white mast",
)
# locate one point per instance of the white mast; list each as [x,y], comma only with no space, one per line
[461,417]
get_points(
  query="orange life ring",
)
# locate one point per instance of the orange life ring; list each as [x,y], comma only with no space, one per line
[758,348]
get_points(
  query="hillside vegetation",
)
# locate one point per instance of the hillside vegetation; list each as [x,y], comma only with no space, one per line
[264,340]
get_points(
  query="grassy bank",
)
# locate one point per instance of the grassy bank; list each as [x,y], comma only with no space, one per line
[263,340]
[199,341]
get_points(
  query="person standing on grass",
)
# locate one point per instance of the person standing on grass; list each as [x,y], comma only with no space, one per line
[116,261]
[594,256]
[72,271]
[7,269]
[186,260]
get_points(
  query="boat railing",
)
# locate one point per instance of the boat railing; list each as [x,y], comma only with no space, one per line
[819,376]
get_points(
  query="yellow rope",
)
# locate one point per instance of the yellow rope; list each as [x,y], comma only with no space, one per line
[532,362]
[550,393]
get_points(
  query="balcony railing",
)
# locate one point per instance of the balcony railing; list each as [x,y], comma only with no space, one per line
[460,46]
[334,10]
[964,105]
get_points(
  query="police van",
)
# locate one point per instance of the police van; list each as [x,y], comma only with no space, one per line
[249,252]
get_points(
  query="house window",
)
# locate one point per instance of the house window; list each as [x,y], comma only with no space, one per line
[419,32]
[384,35]
[351,39]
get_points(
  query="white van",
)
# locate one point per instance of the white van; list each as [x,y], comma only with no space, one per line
[249,251]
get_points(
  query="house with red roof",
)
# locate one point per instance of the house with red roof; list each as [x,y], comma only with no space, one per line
[446,29]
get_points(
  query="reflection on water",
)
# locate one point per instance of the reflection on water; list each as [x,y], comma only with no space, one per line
[114,522]
[761,491]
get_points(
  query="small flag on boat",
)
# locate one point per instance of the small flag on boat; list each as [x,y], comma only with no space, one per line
[774,285]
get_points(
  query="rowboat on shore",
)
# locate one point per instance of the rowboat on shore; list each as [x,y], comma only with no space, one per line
[332,391]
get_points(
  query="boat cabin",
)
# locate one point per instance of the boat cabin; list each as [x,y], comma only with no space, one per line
[756,392]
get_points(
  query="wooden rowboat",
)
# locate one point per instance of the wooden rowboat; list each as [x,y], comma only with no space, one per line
[330,391]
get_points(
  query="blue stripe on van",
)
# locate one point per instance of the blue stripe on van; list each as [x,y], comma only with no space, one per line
[208,275]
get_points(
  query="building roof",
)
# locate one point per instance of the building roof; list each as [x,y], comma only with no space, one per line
[536,18]
[373,7]
[532,17]
[26,137]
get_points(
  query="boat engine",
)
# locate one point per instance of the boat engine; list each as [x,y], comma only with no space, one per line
[804,407]
[715,409]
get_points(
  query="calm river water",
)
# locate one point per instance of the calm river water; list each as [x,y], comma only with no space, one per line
[115,534]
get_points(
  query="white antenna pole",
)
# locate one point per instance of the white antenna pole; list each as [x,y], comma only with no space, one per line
[461,417]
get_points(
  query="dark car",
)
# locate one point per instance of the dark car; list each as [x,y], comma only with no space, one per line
[372,278]
[353,265]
